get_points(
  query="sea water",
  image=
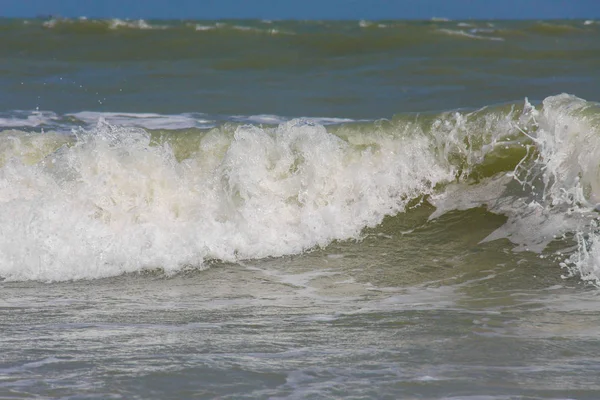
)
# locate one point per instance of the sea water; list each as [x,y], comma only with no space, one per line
[299,209]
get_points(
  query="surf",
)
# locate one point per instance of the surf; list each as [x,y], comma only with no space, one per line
[103,200]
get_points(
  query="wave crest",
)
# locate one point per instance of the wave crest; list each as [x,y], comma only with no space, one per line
[113,199]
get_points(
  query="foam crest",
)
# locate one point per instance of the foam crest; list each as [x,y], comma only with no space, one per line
[94,24]
[152,121]
[569,151]
[146,120]
[112,201]
[472,34]
[132,24]
[554,190]
[567,141]
[19,119]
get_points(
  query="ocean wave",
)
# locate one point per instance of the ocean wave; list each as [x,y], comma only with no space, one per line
[91,25]
[21,119]
[276,119]
[83,24]
[292,41]
[111,199]
[370,24]
[472,34]
[223,27]
[145,120]
[553,192]
[133,24]
[151,121]
[112,202]
[200,27]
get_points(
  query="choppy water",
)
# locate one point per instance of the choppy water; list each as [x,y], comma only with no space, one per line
[294,209]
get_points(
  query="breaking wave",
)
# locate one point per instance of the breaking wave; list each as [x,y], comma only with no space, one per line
[110,199]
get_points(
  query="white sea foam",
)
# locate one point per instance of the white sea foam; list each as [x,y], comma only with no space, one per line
[199,27]
[245,28]
[50,23]
[471,35]
[569,152]
[259,119]
[111,203]
[369,24]
[116,23]
[241,28]
[22,119]
[554,191]
[19,119]
[276,119]
[146,120]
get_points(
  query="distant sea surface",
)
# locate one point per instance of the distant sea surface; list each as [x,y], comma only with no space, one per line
[299,209]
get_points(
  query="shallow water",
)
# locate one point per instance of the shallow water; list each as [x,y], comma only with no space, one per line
[307,326]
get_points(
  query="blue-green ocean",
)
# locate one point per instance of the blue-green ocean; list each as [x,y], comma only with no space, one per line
[256,209]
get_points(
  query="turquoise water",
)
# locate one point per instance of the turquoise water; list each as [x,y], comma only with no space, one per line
[299,209]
